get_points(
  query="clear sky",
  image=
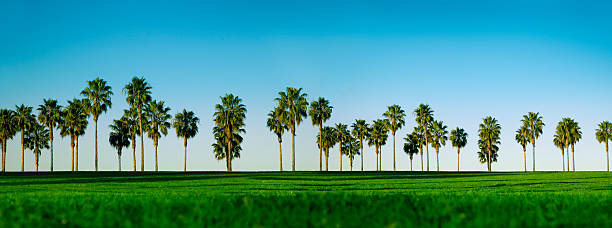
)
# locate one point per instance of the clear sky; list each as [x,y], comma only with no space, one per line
[466,60]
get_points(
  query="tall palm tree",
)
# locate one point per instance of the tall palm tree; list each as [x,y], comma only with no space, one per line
[411,146]
[50,115]
[342,135]
[378,138]
[575,136]
[186,125]
[119,136]
[458,138]
[98,97]
[326,140]
[158,120]
[489,132]
[294,102]
[395,115]
[439,137]
[604,134]
[74,116]
[565,128]
[23,120]
[320,111]
[229,116]
[351,148]
[276,123]
[131,118]
[7,131]
[360,131]
[37,139]
[534,124]
[424,117]
[559,143]
[522,138]
[138,93]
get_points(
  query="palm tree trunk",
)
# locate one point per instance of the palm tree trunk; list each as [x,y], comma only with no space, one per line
[351,159]
[3,155]
[23,149]
[607,158]
[437,160]
[119,157]
[376,158]
[410,164]
[380,158]
[141,139]
[134,150]
[458,159]
[72,146]
[293,151]
[326,159]
[76,159]
[421,150]
[37,156]
[361,152]
[525,157]
[489,160]
[155,145]
[280,155]
[563,158]
[51,137]
[96,139]
[533,146]
[229,154]
[567,153]
[340,145]
[573,161]
[427,147]
[320,147]
[185,161]
[393,133]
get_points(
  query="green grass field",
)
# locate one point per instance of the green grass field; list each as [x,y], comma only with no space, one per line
[306,199]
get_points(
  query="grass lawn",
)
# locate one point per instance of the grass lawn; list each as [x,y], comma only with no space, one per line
[306,199]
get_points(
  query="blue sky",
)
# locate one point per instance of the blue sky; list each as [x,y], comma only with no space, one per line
[466,60]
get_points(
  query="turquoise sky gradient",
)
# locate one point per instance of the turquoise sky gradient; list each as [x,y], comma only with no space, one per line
[466,60]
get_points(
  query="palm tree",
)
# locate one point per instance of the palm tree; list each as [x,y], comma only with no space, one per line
[119,136]
[276,124]
[395,115]
[487,154]
[522,138]
[575,136]
[424,117]
[37,139]
[79,128]
[131,118]
[378,138]
[360,131]
[138,93]
[220,148]
[320,111]
[489,133]
[342,135]
[326,140]
[411,146]
[98,98]
[604,134]
[23,120]
[351,148]
[74,116]
[419,133]
[534,124]
[564,128]
[158,121]
[294,102]
[560,143]
[439,137]
[458,138]
[229,118]
[51,116]
[7,131]
[186,125]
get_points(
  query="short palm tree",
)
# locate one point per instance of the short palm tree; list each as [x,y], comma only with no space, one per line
[74,117]
[360,131]
[458,138]
[439,137]
[186,125]
[558,141]
[98,98]
[23,120]
[575,136]
[131,117]
[326,139]
[351,148]
[564,128]
[342,135]
[320,111]
[119,136]
[220,148]
[79,129]
[489,132]
[395,115]
[276,124]
[138,93]
[411,146]
[294,102]
[419,133]
[604,134]
[534,124]
[378,138]
[229,117]
[522,138]
[50,115]
[36,140]
[7,131]
[158,120]
[424,117]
